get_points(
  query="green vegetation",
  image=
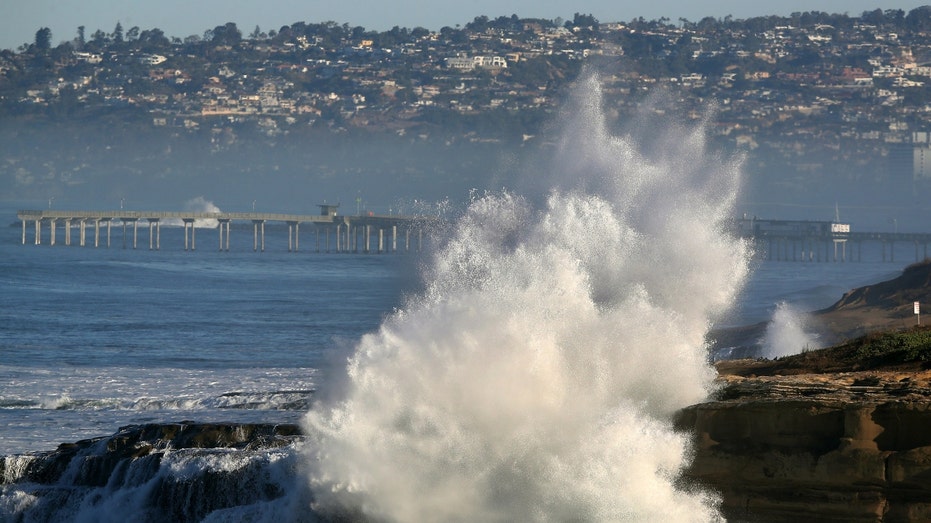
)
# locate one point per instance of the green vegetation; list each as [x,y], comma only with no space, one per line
[905,350]
[891,348]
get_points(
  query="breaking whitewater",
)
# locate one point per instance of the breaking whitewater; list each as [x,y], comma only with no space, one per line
[533,379]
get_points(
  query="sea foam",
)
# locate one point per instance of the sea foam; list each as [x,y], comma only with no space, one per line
[535,377]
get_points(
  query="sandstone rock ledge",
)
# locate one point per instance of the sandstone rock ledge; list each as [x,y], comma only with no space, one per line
[851,447]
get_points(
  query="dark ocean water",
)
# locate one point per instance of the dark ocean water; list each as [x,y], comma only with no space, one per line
[95,338]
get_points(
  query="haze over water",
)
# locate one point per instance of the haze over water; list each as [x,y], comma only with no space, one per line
[536,376]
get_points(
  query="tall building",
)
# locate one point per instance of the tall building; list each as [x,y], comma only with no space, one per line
[921,156]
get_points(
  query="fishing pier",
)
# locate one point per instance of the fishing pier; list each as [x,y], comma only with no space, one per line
[824,241]
[368,233]
[776,240]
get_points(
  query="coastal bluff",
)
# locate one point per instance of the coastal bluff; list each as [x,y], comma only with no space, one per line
[838,434]
[851,447]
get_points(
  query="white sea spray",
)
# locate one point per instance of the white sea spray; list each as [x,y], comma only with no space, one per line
[536,377]
[787,333]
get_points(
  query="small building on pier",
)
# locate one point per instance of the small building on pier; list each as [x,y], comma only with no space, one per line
[757,228]
[797,239]
[327,209]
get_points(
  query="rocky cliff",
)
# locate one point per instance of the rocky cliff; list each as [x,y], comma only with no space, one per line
[853,446]
[837,435]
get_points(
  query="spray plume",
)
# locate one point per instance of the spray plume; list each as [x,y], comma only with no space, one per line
[536,376]
[786,333]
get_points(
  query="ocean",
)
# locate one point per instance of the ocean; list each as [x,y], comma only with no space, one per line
[528,370]
[95,338]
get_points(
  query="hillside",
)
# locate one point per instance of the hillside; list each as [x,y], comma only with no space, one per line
[887,305]
[884,305]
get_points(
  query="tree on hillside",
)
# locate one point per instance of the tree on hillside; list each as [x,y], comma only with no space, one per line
[99,39]
[896,17]
[478,25]
[227,34]
[151,40]
[44,39]
[919,19]
[580,20]
[117,34]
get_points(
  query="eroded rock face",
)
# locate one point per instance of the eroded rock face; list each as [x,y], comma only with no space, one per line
[157,472]
[796,449]
[92,462]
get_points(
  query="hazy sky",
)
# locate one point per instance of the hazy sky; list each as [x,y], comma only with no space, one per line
[20,19]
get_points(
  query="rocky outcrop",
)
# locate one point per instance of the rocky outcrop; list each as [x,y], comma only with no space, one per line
[840,434]
[838,448]
[157,472]
[93,462]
